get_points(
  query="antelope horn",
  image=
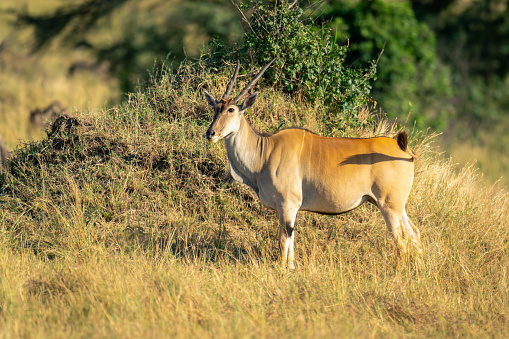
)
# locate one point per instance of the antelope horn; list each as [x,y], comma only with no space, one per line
[253,82]
[232,82]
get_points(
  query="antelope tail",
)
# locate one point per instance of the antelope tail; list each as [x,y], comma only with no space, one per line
[403,144]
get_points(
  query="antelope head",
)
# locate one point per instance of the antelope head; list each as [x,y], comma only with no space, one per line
[228,111]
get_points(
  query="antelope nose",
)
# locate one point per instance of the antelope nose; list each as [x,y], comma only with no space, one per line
[210,134]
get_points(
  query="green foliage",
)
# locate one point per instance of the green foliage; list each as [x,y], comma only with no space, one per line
[473,39]
[472,35]
[409,70]
[309,62]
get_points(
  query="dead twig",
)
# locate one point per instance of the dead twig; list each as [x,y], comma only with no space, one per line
[244,18]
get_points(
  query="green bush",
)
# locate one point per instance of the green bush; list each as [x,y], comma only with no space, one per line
[310,64]
[409,69]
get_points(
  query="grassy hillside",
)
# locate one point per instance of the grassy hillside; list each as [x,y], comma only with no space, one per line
[120,223]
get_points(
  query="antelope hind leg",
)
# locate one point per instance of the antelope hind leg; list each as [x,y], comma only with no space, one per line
[394,226]
[412,233]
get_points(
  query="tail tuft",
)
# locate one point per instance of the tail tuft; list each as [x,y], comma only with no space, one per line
[403,144]
[403,141]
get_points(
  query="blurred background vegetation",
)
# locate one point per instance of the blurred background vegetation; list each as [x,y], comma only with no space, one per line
[444,62]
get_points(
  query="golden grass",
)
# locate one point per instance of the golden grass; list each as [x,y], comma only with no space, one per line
[120,224]
[489,153]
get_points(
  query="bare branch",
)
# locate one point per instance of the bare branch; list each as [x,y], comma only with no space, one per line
[293,4]
[314,7]
[244,18]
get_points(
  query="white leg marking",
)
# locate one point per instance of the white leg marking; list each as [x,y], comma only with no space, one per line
[287,235]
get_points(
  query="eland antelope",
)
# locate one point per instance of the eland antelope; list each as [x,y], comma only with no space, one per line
[295,169]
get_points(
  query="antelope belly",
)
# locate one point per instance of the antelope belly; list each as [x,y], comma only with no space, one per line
[331,198]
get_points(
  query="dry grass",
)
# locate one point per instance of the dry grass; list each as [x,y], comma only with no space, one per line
[120,224]
[489,152]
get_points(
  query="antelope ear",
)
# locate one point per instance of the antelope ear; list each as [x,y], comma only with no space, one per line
[210,99]
[250,100]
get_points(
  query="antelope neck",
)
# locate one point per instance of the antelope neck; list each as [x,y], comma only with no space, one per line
[246,150]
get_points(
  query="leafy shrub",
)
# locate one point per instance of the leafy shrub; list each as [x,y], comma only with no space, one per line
[310,64]
[409,70]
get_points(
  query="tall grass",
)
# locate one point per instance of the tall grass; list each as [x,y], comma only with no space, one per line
[488,150]
[121,223]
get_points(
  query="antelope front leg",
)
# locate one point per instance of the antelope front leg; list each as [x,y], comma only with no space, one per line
[287,235]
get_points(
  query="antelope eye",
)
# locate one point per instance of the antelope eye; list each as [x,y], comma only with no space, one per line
[231,110]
